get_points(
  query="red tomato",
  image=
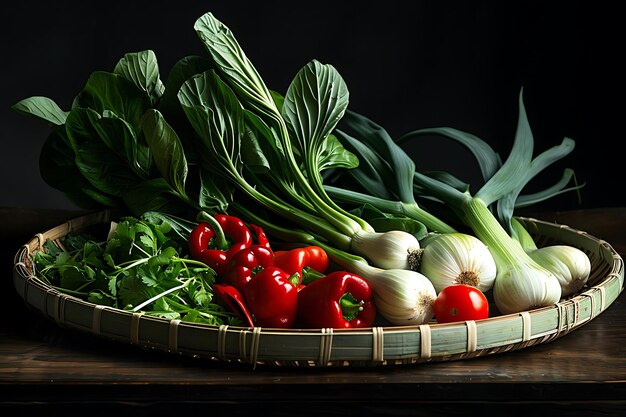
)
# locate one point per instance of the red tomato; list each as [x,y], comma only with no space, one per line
[460,302]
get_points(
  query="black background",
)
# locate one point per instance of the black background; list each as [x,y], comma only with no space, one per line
[408,65]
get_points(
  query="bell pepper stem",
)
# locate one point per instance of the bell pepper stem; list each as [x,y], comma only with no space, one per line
[310,275]
[349,306]
[220,238]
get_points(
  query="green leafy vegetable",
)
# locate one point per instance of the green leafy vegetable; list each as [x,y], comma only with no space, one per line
[42,108]
[142,267]
[143,70]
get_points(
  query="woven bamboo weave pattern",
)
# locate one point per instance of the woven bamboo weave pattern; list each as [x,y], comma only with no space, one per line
[397,345]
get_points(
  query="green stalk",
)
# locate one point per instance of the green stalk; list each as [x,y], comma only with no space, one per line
[522,236]
[310,221]
[506,251]
[219,238]
[411,210]
[162,294]
[340,256]
[297,198]
[317,182]
[333,215]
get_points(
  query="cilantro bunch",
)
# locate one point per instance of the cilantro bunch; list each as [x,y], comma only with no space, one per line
[142,266]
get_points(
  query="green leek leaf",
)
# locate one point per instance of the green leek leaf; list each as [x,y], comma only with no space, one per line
[512,173]
[376,137]
[488,161]
[506,204]
[373,171]
[556,189]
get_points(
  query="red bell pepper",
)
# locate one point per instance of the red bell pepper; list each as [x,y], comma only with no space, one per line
[338,300]
[217,239]
[247,262]
[318,258]
[272,297]
[302,261]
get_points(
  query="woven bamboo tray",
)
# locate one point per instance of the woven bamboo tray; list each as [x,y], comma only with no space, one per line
[399,345]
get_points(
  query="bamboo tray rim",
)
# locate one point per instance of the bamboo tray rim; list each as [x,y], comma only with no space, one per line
[374,346]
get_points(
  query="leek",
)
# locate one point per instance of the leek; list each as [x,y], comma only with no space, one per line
[520,283]
[570,265]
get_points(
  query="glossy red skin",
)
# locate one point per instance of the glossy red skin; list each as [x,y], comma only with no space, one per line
[261,238]
[200,238]
[245,264]
[235,301]
[318,258]
[319,307]
[295,260]
[272,298]
[460,302]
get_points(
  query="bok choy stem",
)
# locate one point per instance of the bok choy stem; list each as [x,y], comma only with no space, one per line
[409,209]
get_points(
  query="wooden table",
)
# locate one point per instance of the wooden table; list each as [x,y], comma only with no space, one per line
[48,370]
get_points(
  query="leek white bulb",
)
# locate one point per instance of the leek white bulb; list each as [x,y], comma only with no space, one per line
[570,266]
[401,296]
[389,250]
[525,286]
[457,258]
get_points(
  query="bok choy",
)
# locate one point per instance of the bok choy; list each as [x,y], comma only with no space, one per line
[232,110]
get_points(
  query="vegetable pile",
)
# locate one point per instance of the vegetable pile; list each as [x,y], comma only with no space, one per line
[207,162]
